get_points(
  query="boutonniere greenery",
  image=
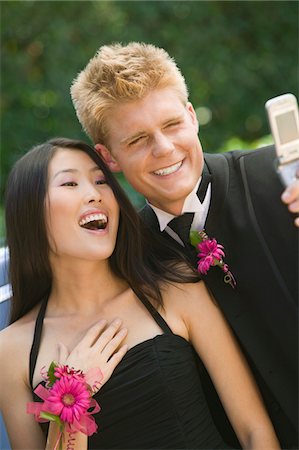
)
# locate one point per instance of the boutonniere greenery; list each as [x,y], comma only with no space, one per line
[210,254]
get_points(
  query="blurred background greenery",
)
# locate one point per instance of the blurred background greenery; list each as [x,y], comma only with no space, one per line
[234,56]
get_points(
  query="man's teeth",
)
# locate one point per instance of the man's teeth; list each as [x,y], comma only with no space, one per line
[92,218]
[168,170]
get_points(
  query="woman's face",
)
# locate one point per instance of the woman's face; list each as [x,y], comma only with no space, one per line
[82,214]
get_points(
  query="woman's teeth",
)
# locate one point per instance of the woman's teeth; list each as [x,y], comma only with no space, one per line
[94,221]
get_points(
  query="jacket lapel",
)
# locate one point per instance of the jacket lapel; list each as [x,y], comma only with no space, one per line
[218,168]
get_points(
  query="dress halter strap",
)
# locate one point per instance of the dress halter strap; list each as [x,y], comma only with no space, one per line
[156,316]
[39,326]
[36,339]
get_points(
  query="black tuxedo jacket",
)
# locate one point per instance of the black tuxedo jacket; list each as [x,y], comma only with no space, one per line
[260,240]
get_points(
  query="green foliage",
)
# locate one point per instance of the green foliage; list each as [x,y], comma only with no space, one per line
[51,371]
[195,238]
[136,198]
[2,228]
[236,143]
[51,417]
[234,55]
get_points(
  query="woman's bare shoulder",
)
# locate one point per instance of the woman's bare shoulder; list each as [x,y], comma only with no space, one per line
[182,301]
[188,293]
[16,338]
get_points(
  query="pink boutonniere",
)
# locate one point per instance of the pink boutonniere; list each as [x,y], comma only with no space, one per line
[210,254]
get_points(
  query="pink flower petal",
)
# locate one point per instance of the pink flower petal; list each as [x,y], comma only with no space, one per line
[70,399]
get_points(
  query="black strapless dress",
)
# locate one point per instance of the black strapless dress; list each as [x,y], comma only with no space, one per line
[154,399]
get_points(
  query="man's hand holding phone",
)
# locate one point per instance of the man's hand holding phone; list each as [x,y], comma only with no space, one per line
[284,123]
[291,198]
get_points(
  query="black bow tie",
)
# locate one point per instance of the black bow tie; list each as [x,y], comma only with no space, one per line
[181,225]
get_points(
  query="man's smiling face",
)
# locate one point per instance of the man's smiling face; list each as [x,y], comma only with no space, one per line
[154,143]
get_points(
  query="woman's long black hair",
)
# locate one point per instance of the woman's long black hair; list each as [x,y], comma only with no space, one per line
[144,260]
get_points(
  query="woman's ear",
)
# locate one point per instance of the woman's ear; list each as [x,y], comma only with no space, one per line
[107,157]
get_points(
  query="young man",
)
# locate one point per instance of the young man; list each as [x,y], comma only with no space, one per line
[133,102]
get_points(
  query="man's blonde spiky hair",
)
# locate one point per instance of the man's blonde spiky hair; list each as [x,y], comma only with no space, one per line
[118,74]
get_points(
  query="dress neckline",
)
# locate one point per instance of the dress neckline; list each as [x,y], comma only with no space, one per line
[39,327]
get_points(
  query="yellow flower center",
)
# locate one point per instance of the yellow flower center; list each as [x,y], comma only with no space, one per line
[68,399]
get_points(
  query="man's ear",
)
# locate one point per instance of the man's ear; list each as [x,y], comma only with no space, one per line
[107,157]
[192,114]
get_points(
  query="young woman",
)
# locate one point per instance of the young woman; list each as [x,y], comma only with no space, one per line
[92,289]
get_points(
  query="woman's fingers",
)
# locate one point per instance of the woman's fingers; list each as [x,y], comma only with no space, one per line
[100,347]
[117,356]
[107,335]
[113,362]
[98,335]
[113,344]
[93,333]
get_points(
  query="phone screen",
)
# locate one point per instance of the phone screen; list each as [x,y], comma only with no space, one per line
[287,127]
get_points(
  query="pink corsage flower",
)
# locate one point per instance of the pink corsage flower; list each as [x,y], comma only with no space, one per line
[210,254]
[67,400]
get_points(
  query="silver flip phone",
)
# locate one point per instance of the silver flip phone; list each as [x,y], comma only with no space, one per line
[284,123]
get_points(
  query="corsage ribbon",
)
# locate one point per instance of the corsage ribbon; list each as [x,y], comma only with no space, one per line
[67,400]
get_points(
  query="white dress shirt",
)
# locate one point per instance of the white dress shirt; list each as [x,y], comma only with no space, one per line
[191,204]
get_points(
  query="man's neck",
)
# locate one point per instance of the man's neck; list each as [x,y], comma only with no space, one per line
[189,204]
